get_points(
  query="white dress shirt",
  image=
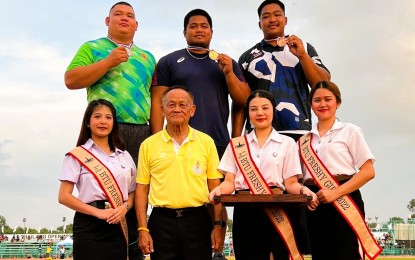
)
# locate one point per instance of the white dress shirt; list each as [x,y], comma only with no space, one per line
[120,163]
[343,149]
[277,160]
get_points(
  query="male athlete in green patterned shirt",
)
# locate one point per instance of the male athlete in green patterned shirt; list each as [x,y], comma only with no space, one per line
[125,85]
[113,68]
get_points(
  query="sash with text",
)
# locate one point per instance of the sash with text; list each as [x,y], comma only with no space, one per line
[258,185]
[345,205]
[104,178]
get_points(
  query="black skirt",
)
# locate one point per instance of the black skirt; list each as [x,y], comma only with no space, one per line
[331,237]
[94,238]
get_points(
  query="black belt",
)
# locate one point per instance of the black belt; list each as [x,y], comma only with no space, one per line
[100,204]
[339,178]
[178,213]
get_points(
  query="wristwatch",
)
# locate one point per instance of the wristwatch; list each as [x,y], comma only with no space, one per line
[219,223]
[126,206]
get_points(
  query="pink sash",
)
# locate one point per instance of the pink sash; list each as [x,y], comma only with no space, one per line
[104,178]
[345,205]
[258,185]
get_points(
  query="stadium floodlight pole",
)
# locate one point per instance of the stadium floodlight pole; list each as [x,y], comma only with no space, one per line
[64,227]
[24,225]
[368,223]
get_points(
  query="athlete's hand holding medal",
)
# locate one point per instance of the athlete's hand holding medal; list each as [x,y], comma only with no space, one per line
[118,55]
[294,43]
[296,46]
[121,53]
[225,63]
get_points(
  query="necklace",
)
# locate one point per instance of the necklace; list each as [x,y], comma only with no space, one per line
[128,47]
[197,58]
[213,55]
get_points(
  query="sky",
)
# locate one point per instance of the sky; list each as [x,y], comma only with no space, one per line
[368,46]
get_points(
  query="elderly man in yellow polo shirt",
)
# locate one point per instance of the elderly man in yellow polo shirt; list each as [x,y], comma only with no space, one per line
[177,167]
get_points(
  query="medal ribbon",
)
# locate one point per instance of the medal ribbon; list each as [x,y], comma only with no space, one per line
[127,46]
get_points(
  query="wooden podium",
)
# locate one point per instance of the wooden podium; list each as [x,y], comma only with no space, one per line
[262,199]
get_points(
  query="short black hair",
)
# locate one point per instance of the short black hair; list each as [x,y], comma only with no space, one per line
[267,2]
[197,12]
[178,87]
[121,3]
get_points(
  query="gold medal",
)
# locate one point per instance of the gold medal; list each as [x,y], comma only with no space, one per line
[213,55]
[282,41]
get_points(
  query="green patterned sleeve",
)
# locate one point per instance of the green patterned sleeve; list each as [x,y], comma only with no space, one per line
[83,57]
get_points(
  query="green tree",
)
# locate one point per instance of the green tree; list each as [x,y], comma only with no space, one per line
[230,225]
[2,221]
[69,229]
[411,207]
[20,230]
[396,220]
[44,231]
